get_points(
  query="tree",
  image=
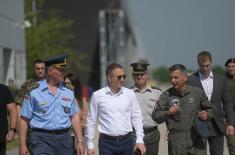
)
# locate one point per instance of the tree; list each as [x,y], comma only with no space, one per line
[218,70]
[161,74]
[49,35]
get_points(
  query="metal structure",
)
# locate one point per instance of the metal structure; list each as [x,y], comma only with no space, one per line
[112,39]
[12,42]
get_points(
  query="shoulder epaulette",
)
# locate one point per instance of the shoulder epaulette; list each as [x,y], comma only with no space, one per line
[69,86]
[31,86]
[154,87]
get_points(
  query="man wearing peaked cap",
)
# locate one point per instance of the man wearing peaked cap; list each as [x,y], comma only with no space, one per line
[51,114]
[148,97]
[140,67]
[59,62]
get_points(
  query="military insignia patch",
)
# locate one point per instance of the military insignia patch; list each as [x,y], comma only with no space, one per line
[66,110]
[26,97]
[66,99]
[191,100]
[139,66]
[43,111]
[175,101]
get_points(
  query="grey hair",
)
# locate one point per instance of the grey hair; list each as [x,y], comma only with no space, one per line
[180,67]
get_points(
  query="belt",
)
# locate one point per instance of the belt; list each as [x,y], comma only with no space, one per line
[115,138]
[148,129]
[55,132]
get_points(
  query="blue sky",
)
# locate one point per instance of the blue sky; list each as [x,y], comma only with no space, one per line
[175,31]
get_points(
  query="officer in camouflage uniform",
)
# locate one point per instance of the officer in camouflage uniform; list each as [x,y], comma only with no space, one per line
[230,74]
[39,74]
[147,96]
[179,107]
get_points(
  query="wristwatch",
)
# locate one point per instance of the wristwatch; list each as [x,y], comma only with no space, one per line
[13,129]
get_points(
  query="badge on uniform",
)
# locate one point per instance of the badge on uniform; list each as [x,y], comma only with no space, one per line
[26,97]
[191,100]
[175,101]
[66,99]
[66,110]
[43,111]
[42,103]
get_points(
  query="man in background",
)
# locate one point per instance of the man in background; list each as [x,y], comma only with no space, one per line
[38,75]
[217,91]
[230,74]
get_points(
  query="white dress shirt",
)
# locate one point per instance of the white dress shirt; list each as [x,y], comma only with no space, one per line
[207,84]
[117,114]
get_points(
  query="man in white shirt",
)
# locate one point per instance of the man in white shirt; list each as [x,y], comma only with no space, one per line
[217,91]
[118,112]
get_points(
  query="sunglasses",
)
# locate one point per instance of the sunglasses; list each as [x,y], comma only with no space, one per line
[121,76]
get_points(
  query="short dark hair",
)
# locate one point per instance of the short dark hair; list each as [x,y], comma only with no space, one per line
[38,61]
[230,60]
[180,67]
[203,56]
[111,67]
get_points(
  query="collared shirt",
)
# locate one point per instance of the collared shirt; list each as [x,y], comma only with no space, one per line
[46,111]
[116,114]
[148,99]
[207,84]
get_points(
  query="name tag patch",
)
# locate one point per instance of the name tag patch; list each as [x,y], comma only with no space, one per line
[191,100]
[42,103]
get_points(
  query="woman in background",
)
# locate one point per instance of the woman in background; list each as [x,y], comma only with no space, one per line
[74,81]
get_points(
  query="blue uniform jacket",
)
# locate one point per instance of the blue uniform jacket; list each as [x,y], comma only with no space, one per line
[46,111]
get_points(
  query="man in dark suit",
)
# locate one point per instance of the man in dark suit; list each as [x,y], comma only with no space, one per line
[217,92]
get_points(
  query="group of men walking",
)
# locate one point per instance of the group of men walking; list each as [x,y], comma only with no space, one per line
[196,109]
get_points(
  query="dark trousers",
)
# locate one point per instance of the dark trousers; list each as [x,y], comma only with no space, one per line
[2,148]
[231,144]
[151,141]
[52,144]
[116,147]
[216,144]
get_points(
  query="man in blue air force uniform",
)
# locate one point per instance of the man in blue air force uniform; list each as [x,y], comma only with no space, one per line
[49,108]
